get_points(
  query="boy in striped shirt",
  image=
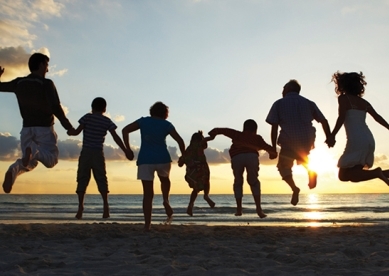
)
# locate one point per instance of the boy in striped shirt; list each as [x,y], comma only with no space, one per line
[244,155]
[95,126]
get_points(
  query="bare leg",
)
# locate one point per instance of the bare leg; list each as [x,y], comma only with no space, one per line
[295,196]
[81,196]
[312,176]
[257,199]
[165,187]
[206,196]
[148,195]
[358,174]
[193,197]
[238,207]
[104,196]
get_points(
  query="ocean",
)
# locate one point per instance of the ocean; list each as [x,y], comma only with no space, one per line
[312,210]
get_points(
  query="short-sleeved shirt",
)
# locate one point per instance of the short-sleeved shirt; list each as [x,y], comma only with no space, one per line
[244,142]
[95,130]
[294,114]
[153,149]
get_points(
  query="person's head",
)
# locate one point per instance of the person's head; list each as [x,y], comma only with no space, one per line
[39,63]
[291,86]
[197,137]
[99,105]
[160,110]
[250,125]
[349,83]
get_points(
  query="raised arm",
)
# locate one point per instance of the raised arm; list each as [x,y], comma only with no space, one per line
[126,131]
[377,117]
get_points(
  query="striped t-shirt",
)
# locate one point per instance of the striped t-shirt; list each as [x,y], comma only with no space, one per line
[95,128]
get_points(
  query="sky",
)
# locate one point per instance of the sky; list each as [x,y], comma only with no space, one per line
[215,63]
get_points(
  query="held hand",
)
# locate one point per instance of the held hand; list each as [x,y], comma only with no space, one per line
[273,155]
[212,133]
[71,132]
[129,154]
[330,141]
[181,161]
[1,70]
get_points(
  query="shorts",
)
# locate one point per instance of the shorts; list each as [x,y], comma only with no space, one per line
[286,159]
[146,171]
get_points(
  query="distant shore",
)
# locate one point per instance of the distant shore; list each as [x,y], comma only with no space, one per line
[124,249]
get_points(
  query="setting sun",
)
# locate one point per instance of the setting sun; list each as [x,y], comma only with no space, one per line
[321,161]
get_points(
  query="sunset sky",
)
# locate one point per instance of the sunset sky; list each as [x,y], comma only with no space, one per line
[215,63]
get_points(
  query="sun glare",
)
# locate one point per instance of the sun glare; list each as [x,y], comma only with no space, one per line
[321,161]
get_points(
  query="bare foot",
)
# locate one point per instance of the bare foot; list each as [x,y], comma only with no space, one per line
[106,212]
[238,212]
[295,197]
[209,201]
[79,212]
[382,176]
[312,179]
[147,228]
[7,184]
[189,210]
[27,157]
[168,209]
[261,214]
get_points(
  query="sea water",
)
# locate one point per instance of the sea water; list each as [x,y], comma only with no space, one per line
[312,209]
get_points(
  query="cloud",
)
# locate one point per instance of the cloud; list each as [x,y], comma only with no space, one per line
[14,60]
[18,17]
[70,149]
[9,147]
[119,118]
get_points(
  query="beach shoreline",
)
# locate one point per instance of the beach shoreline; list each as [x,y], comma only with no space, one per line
[123,249]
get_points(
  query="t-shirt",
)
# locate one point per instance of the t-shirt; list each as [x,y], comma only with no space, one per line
[153,149]
[95,129]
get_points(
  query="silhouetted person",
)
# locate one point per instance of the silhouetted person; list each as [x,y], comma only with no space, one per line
[154,156]
[244,156]
[38,103]
[197,169]
[359,151]
[294,115]
[95,126]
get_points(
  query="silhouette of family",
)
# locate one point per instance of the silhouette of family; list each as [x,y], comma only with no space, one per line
[290,118]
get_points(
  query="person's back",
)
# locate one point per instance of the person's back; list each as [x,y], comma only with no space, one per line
[95,129]
[153,148]
[294,114]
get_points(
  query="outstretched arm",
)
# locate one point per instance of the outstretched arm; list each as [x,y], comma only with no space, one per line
[377,117]
[342,109]
[119,142]
[75,132]
[174,134]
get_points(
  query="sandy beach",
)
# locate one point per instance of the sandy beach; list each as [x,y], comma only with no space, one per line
[124,249]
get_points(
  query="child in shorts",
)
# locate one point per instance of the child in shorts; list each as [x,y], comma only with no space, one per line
[95,126]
